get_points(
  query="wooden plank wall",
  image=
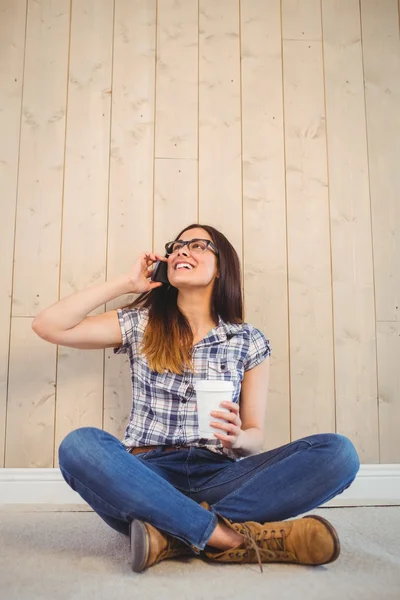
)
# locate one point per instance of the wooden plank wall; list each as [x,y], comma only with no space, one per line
[122,121]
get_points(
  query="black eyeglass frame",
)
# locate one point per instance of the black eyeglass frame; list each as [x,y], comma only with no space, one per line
[209,244]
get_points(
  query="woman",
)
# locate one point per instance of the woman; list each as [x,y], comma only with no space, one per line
[173,493]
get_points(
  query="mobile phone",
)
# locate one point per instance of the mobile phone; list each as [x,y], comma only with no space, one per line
[160,272]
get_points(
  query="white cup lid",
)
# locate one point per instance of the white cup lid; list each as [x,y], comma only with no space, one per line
[213,385]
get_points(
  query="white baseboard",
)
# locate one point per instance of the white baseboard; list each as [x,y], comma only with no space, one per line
[45,489]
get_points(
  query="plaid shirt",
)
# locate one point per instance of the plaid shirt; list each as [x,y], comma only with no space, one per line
[164,404]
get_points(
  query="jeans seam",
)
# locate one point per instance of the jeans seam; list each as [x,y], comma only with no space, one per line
[234,492]
[208,532]
[216,485]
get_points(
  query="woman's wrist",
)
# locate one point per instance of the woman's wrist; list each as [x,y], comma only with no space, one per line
[123,285]
[249,442]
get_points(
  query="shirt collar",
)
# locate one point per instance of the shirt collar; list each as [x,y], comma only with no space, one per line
[221,332]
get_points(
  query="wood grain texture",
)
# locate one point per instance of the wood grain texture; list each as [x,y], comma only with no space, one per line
[130,215]
[264,205]
[80,377]
[381,55]
[310,292]
[31,401]
[12,50]
[177,79]
[41,164]
[220,169]
[350,217]
[31,398]
[389,385]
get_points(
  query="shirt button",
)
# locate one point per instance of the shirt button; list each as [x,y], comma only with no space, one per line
[184,400]
[190,388]
[223,367]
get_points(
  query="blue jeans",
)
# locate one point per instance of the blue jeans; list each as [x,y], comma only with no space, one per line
[165,488]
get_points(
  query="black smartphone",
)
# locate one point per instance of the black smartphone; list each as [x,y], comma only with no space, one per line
[160,272]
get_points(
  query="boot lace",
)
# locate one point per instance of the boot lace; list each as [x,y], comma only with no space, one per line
[259,545]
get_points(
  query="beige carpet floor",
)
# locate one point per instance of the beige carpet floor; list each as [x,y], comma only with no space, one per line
[75,556]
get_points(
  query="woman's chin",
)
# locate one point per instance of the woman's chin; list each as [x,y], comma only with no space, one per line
[183,285]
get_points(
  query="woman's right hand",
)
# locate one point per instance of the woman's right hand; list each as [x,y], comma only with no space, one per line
[140,273]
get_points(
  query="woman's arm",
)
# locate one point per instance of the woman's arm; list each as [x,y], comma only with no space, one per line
[253,405]
[70,311]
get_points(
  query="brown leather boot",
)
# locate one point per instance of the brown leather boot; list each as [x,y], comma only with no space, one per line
[311,540]
[150,546]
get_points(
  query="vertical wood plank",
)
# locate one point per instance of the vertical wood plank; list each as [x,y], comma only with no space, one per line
[220,176]
[37,250]
[37,246]
[389,388]
[310,296]
[380,33]
[80,372]
[131,176]
[352,267]
[12,47]
[31,398]
[177,78]
[175,185]
[381,54]
[264,211]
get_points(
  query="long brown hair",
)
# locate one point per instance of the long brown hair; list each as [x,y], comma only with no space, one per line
[168,339]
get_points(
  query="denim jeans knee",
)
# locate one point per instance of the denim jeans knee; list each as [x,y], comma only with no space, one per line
[347,456]
[75,445]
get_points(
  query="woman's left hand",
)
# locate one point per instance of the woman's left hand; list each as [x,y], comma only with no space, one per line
[232,427]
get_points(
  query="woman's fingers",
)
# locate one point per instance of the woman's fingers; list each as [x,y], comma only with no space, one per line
[230,405]
[153,257]
[223,415]
[226,416]
[229,428]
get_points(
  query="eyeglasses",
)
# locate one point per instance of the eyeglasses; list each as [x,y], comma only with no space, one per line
[195,246]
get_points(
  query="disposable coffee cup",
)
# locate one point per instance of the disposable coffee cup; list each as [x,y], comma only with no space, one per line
[209,395]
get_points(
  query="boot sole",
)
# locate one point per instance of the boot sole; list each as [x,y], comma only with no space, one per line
[140,545]
[332,531]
